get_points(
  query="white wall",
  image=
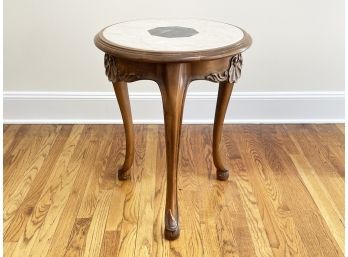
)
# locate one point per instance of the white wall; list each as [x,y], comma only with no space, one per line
[298,46]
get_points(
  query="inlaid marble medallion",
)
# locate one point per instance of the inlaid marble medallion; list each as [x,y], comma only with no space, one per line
[173,32]
[168,35]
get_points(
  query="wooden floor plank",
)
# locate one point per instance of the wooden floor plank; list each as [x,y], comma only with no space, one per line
[19,183]
[24,152]
[277,217]
[17,145]
[331,142]
[9,248]
[110,244]
[115,159]
[284,196]
[341,127]
[317,157]
[77,240]
[19,222]
[45,216]
[98,137]
[298,200]
[129,224]
[216,239]
[91,197]
[67,219]
[95,233]
[232,195]
[322,198]
[160,246]
[188,184]
[144,238]
[9,136]
[24,199]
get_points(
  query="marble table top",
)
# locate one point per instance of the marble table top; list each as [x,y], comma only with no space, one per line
[172,40]
[172,35]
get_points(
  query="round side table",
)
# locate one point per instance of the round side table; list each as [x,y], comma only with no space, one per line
[173,53]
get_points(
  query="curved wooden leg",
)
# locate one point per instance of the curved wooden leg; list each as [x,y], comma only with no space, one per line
[225,90]
[121,91]
[173,91]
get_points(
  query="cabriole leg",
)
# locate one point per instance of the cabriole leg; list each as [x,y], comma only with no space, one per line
[225,90]
[173,91]
[121,91]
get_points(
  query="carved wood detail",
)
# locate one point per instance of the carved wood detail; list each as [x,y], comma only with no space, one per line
[217,77]
[110,67]
[232,74]
[173,72]
[115,73]
[173,79]
[171,223]
[235,69]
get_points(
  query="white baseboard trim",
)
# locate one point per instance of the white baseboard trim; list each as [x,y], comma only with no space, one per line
[101,108]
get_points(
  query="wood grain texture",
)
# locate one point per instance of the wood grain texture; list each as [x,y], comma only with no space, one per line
[284,196]
[132,191]
[22,212]
[173,87]
[68,218]
[9,131]
[121,91]
[173,78]
[224,93]
[276,215]
[77,240]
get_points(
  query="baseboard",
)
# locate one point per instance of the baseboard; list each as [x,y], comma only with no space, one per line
[244,107]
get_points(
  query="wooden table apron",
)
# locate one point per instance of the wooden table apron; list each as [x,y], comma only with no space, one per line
[173,76]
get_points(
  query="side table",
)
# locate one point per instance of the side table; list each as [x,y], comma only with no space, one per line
[173,53]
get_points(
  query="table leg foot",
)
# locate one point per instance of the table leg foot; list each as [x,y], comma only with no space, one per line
[172,234]
[123,174]
[172,230]
[222,175]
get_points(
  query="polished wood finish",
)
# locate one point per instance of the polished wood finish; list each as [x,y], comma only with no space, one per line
[173,87]
[173,72]
[285,198]
[173,80]
[121,91]
[225,90]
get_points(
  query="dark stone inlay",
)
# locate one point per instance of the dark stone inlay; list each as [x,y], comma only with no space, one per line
[173,32]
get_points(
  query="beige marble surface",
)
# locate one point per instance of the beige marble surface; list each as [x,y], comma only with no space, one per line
[135,34]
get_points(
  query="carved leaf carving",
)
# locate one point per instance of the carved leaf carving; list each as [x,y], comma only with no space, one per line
[232,74]
[218,77]
[110,67]
[235,70]
[172,224]
[115,72]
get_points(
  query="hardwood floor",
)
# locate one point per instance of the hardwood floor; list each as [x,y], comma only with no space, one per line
[284,197]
